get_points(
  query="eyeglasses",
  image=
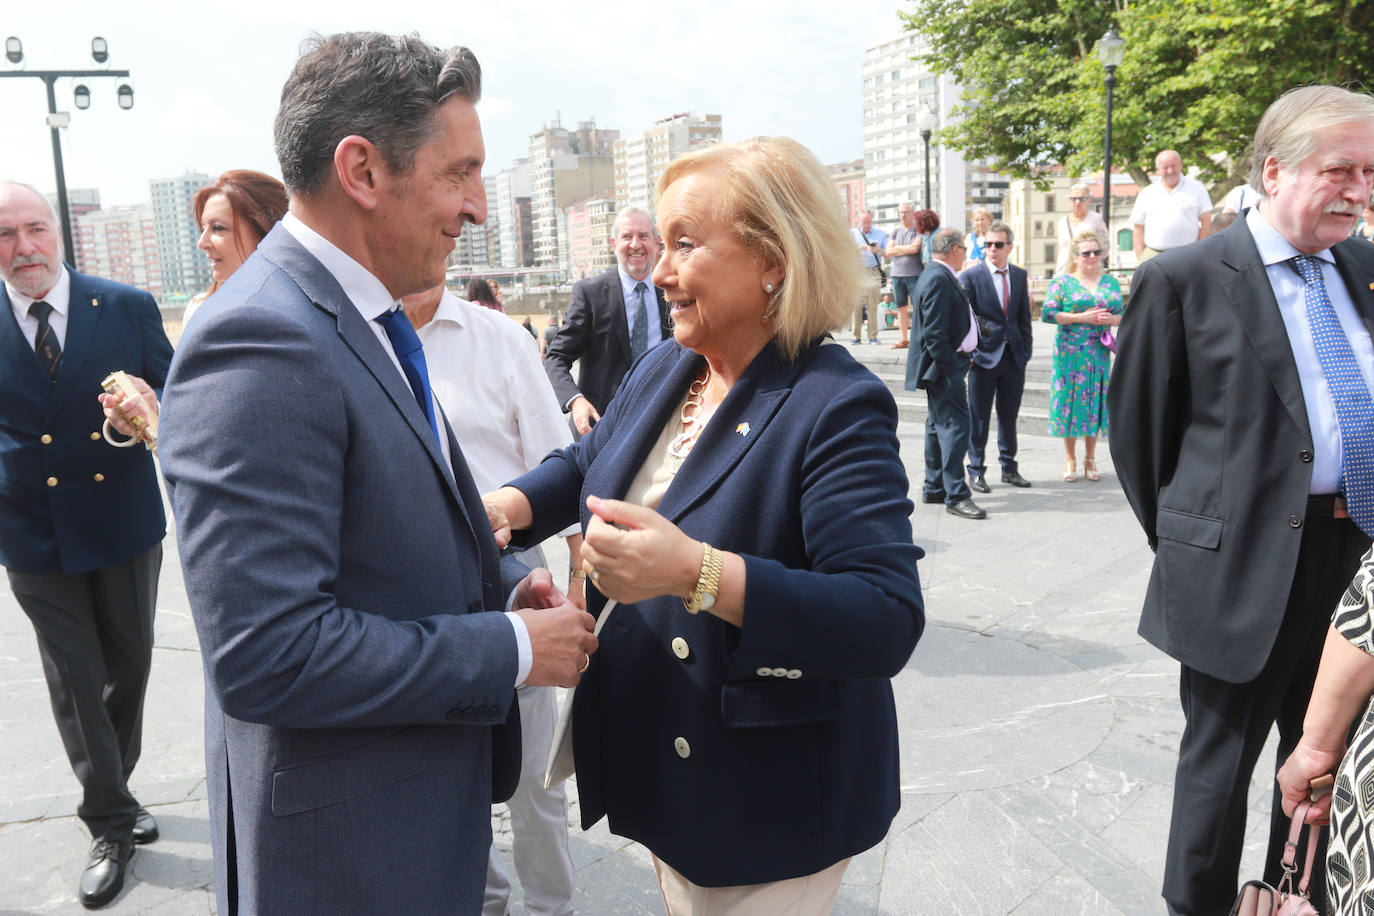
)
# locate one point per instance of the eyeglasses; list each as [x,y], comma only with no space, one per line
[1076,199]
[997,245]
[1090,253]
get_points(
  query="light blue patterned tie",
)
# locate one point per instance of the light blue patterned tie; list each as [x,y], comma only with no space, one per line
[639,335]
[1354,407]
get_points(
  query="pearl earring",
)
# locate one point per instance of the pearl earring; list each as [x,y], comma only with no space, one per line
[768,287]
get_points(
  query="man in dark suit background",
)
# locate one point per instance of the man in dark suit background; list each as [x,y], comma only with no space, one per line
[81,522]
[1000,297]
[613,318]
[1241,408]
[948,335]
[337,556]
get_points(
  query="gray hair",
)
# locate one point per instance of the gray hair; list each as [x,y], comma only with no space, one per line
[47,205]
[385,88]
[906,205]
[1002,227]
[946,240]
[627,212]
[1288,130]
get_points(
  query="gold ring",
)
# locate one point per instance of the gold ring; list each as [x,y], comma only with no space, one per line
[136,422]
[594,576]
[587,660]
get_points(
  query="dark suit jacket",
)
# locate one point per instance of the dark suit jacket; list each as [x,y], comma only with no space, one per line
[790,720]
[1211,442]
[335,565]
[1012,328]
[941,321]
[595,332]
[105,506]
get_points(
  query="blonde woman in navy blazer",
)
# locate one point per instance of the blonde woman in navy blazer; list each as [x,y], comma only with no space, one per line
[773,705]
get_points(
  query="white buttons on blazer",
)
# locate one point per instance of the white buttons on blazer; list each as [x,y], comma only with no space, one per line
[684,750]
[680,648]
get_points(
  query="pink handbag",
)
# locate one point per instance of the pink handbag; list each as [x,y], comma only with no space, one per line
[1259,899]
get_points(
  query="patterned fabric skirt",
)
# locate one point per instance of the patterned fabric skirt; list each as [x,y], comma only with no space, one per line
[1350,850]
[1078,390]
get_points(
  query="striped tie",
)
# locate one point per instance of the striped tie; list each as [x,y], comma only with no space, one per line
[45,341]
[1350,395]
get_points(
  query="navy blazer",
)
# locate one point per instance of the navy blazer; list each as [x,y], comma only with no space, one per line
[596,333]
[941,322]
[334,564]
[1011,329]
[788,722]
[1211,442]
[76,503]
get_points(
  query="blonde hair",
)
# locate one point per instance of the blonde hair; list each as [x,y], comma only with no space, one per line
[781,203]
[1289,127]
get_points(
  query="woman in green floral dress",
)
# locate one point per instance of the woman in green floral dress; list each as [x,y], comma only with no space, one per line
[1084,303]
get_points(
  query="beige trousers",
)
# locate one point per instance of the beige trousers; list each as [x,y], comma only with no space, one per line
[872,297]
[810,895]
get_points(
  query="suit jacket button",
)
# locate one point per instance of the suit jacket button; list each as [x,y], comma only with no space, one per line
[779,672]
[1305,455]
[1294,522]
[684,750]
[95,436]
[764,672]
[45,439]
[793,674]
[99,478]
[680,648]
[52,481]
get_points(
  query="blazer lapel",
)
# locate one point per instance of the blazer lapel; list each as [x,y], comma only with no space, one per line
[84,309]
[615,301]
[738,423]
[1247,288]
[18,352]
[1359,280]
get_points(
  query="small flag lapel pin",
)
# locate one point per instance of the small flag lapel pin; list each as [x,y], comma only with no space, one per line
[742,429]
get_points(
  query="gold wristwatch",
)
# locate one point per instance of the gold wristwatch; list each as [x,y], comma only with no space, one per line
[703,597]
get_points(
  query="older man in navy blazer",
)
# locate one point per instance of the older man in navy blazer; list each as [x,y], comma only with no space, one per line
[337,557]
[1000,297]
[81,522]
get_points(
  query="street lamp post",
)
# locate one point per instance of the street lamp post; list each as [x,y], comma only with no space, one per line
[926,122]
[1111,48]
[14,52]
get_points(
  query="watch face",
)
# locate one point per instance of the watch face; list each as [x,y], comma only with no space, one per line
[708,601]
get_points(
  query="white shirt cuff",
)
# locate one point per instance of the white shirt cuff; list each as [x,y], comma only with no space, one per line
[524,652]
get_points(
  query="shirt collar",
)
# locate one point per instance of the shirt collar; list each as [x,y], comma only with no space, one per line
[992,269]
[59,297]
[1273,247]
[451,308]
[360,285]
[627,284]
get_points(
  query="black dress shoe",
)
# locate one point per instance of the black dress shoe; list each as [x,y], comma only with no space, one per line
[1015,479]
[979,484]
[932,498]
[145,828]
[966,508]
[103,878]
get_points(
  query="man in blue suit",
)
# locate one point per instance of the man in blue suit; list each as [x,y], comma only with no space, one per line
[1000,297]
[81,522]
[338,559]
[948,335]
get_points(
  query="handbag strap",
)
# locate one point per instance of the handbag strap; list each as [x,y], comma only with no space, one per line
[1296,829]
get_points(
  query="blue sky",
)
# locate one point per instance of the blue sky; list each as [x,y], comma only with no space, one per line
[207,77]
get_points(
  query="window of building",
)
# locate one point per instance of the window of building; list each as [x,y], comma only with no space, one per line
[1039,227]
[1050,253]
[1049,202]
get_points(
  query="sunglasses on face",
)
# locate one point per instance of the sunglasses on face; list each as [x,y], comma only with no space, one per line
[1090,253]
[996,245]
[1075,199]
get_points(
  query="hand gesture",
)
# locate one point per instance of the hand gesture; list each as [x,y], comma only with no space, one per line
[131,415]
[1295,776]
[632,553]
[584,415]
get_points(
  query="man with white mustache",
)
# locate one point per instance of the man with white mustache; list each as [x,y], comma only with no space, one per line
[614,317]
[1242,414]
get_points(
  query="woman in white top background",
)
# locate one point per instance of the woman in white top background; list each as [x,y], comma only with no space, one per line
[1079,219]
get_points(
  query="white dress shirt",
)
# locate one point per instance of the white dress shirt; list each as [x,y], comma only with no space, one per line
[59,297]
[370,297]
[1276,253]
[627,290]
[970,341]
[486,373]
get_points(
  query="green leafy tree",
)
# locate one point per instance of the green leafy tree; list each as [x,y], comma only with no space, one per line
[1196,77]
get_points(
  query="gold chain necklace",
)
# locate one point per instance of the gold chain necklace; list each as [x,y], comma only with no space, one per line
[690,423]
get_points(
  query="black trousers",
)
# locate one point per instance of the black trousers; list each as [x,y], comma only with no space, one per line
[1003,384]
[95,637]
[1228,724]
[947,426]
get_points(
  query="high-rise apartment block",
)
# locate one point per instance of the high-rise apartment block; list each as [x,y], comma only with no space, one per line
[185,269]
[897,87]
[565,165]
[120,244]
[590,247]
[641,158]
[849,183]
[508,205]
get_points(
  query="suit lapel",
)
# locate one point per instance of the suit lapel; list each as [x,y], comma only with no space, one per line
[738,423]
[1358,275]
[85,306]
[18,352]
[1247,288]
[615,301]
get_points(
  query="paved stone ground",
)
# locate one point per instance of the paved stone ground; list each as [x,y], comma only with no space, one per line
[1038,732]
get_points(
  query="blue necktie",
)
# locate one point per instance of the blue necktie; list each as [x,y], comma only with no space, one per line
[1354,408]
[45,341]
[406,343]
[639,334]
